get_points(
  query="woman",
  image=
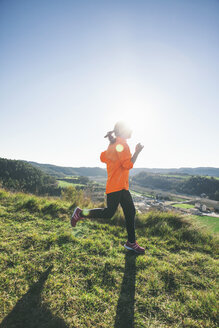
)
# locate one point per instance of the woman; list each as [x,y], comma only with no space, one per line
[119,161]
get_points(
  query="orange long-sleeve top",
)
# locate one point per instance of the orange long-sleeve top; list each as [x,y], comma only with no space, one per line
[118,160]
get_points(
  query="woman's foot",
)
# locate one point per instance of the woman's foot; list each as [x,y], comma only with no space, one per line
[134,247]
[76,216]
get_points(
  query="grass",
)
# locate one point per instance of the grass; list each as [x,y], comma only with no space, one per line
[149,195]
[183,177]
[135,193]
[65,184]
[183,205]
[209,177]
[138,193]
[177,199]
[211,223]
[55,276]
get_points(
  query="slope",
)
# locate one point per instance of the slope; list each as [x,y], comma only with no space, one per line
[53,276]
[19,175]
[61,171]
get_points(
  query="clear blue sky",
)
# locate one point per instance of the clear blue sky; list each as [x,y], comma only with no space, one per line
[70,69]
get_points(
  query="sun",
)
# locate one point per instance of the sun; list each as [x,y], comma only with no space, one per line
[137,111]
[134,118]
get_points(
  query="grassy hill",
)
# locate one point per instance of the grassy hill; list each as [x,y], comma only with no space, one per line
[61,171]
[54,276]
[22,176]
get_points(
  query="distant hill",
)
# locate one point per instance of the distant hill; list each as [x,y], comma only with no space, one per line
[210,171]
[22,176]
[61,171]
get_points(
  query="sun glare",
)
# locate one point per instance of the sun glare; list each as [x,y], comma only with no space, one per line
[136,119]
[119,148]
[139,112]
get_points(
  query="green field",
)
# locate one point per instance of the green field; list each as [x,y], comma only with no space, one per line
[183,205]
[183,177]
[135,193]
[54,276]
[209,222]
[209,177]
[177,199]
[65,184]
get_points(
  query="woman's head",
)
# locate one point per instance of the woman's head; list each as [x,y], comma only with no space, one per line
[121,129]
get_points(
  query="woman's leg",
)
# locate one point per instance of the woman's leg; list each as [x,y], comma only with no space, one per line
[129,212]
[113,200]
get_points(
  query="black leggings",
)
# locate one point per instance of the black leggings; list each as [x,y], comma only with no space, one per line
[124,198]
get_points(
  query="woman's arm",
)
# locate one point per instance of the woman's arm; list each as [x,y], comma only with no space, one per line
[124,156]
[103,156]
[138,149]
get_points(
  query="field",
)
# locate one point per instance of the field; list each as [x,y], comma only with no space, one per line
[181,177]
[209,177]
[65,184]
[209,222]
[135,193]
[54,276]
[184,205]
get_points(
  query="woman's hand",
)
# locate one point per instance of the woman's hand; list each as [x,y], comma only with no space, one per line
[109,134]
[110,137]
[138,148]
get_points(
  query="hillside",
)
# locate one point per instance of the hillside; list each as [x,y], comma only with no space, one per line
[54,276]
[190,185]
[60,171]
[22,176]
[206,171]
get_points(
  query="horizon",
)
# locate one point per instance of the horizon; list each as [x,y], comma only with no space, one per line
[135,167]
[70,70]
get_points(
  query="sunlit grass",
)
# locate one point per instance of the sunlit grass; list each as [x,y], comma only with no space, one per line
[54,276]
[211,223]
[183,205]
[65,184]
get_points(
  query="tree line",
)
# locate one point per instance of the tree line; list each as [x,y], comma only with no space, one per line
[18,175]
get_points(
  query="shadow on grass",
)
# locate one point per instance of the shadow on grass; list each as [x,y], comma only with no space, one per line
[125,305]
[29,312]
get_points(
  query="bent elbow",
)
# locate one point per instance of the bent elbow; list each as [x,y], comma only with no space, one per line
[103,157]
[127,165]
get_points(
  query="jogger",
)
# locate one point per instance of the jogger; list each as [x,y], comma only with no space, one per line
[119,161]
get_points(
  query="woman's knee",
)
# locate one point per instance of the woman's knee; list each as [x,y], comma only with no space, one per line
[109,212]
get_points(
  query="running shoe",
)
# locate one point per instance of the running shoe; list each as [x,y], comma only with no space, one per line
[76,216]
[134,247]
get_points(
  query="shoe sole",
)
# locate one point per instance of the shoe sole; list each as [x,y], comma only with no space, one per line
[131,249]
[72,220]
